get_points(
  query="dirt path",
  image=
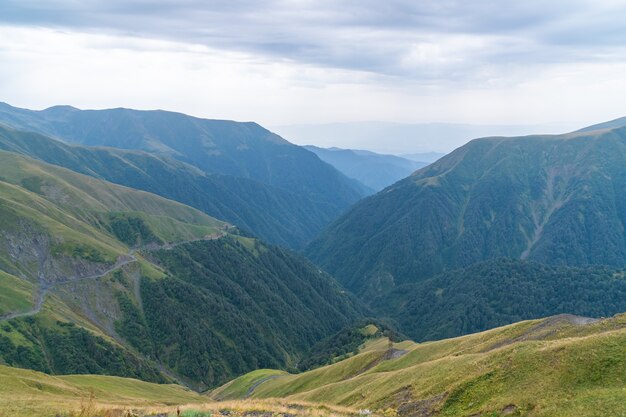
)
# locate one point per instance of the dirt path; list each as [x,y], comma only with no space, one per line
[259,382]
[123,260]
[44,286]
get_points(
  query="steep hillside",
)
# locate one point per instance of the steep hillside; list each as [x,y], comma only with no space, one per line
[559,366]
[276,215]
[244,150]
[376,171]
[552,199]
[99,278]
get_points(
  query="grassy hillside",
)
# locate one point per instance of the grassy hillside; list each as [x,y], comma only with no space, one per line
[28,393]
[276,215]
[15,294]
[560,366]
[80,220]
[103,279]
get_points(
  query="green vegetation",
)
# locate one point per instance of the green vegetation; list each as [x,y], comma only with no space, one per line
[345,343]
[243,309]
[498,292]
[15,294]
[560,366]
[555,200]
[29,393]
[243,386]
[132,230]
[64,348]
[195,413]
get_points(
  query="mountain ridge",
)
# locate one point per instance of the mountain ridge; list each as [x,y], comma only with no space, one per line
[217,147]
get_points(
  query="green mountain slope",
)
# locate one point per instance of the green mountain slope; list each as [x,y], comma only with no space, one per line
[99,278]
[376,171]
[276,215]
[559,366]
[243,150]
[552,199]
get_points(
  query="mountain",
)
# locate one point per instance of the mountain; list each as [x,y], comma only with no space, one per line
[102,279]
[376,171]
[559,366]
[232,149]
[423,157]
[555,200]
[276,215]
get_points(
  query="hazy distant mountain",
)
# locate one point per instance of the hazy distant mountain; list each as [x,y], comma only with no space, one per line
[376,171]
[423,157]
[553,199]
[404,138]
[299,182]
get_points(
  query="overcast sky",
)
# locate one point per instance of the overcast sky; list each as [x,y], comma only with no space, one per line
[300,61]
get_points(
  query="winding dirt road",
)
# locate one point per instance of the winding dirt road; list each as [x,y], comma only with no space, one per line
[123,260]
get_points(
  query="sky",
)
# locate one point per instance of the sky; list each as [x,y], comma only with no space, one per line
[301,62]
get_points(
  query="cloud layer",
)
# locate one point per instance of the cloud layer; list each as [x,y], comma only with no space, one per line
[428,40]
[290,61]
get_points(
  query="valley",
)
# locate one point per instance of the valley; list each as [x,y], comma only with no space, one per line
[312,209]
[479,285]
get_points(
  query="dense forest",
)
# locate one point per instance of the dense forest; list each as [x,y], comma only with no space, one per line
[64,348]
[498,292]
[230,306]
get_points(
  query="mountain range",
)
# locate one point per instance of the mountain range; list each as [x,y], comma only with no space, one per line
[376,171]
[245,173]
[144,244]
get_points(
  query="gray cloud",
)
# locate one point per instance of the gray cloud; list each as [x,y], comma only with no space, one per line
[415,40]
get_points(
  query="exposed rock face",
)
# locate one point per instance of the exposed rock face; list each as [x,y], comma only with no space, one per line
[34,253]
